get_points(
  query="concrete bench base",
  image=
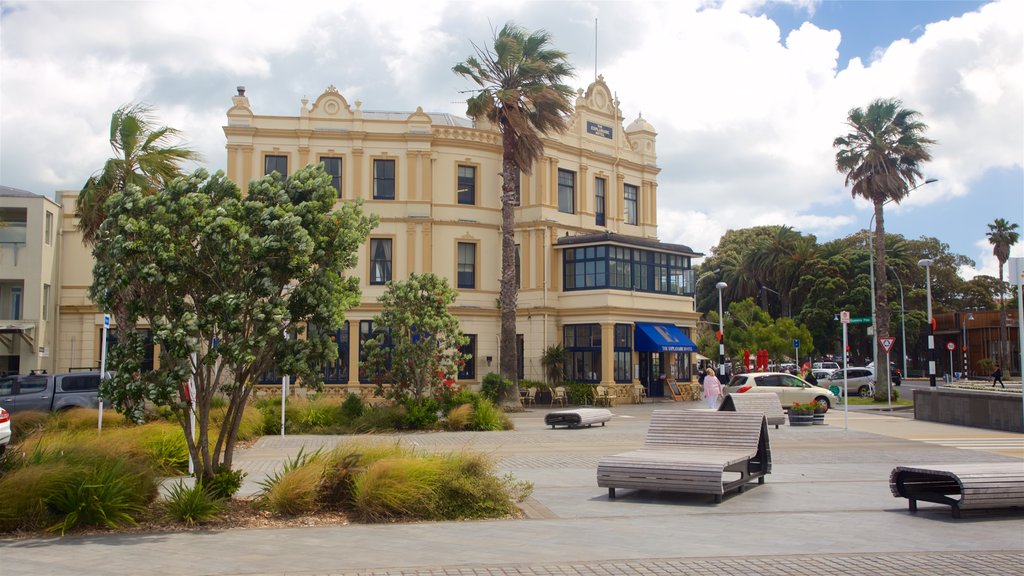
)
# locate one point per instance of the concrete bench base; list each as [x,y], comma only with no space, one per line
[578,417]
[983,485]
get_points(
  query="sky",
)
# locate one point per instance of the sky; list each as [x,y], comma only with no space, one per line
[746,95]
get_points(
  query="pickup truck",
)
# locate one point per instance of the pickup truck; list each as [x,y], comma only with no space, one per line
[50,392]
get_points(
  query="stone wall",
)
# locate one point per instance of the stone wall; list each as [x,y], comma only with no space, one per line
[977,408]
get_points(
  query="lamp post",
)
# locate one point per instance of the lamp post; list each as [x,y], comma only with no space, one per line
[871,265]
[967,363]
[721,330]
[931,321]
[903,324]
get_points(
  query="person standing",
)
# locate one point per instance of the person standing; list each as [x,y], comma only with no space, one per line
[712,389]
[997,376]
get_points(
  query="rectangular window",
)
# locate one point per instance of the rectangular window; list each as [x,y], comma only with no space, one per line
[49,228]
[337,372]
[277,164]
[366,332]
[519,269]
[623,350]
[468,370]
[383,179]
[520,357]
[380,261]
[15,303]
[566,191]
[583,352]
[332,165]
[46,301]
[467,265]
[630,194]
[599,184]
[467,184]
[585,268]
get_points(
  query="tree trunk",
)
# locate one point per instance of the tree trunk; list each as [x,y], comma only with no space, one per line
[509,290]
[881,307]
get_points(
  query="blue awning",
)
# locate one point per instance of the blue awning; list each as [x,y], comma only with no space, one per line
[649,337]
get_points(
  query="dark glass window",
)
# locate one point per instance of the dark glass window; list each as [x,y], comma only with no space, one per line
[383,179]
[566,191]
[622,268]
[623,352]
[520,357]
[337,372]
[467,265]
[277,164]
[147,340]
[599,184]
[380,261]
[366,332]
[468,370]
[519,269]
[467,184]
[586,268]
[333,167]
[582,344]
[630,194]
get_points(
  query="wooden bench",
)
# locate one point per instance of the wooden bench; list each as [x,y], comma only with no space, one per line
[693,451]
[982,485]
[765,403]
[578,417]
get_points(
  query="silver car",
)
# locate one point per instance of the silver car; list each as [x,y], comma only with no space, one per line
[789,388]
[860,381]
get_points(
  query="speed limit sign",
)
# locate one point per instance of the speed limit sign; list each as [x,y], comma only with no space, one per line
[950,346]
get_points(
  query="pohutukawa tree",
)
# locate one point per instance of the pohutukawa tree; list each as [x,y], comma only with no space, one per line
[1001,235]
[881,157]
[522,92]
[220,279]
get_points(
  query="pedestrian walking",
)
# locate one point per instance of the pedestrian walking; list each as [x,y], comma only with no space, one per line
[712,389]
[997,376]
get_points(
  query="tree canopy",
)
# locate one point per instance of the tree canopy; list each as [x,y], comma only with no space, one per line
[220,279]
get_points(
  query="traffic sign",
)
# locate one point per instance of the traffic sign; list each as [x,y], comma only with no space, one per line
[860,320]
[950,346]
[796,343]
[844,317]
[106,320]
[886,343]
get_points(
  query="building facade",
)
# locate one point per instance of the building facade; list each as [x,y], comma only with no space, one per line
[29,277]
[592,274]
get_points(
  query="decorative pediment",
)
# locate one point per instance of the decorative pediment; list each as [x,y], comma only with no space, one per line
[599,98]
[331,104]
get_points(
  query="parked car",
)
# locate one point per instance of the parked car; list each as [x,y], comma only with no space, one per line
[828,367]
[789,388]
[50,392]
[859,380]
[5,429]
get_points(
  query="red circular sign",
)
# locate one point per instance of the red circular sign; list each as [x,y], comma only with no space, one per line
[950,346]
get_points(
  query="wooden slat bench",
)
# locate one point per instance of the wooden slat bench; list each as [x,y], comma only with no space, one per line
[982,485]
[578,417]
[765,403]
[692,451]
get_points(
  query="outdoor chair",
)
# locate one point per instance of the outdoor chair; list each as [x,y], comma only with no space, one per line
[530,397]
[558,395]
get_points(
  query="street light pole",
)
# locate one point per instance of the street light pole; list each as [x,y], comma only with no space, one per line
[721,330]
[931,321]
[903,323]
[967,361]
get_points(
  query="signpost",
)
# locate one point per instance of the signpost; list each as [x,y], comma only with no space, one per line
[951,346]
[887,343]
[844,317]
[103,369]
[796,346]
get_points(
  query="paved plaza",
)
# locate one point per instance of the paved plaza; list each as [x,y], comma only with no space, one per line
[826,509]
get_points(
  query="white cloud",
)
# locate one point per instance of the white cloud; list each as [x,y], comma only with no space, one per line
[988,265]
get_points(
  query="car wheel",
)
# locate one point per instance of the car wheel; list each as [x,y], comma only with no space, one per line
[823,402]
[864,391]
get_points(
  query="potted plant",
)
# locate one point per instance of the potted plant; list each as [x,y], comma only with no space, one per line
[801,414]
[819,413]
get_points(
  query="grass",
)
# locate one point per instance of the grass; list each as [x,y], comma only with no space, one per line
[858,401]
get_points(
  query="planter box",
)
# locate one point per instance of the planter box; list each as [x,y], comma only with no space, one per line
[977,408]
[819,419]
[801,419]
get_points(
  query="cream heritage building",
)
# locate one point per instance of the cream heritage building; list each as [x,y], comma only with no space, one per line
[593,275]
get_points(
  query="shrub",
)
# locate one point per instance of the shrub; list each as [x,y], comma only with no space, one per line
[76,419]
[353,407]
[490,387]
[25,490]
[106,495]
[25,424]
[470,490]
[421,414]
[167,450]
[191,504]
[580,393]
[296,491]
[488,417]
[460,417]
[251,425]
[396,488]
[225,483]
[380,418]
[318,414]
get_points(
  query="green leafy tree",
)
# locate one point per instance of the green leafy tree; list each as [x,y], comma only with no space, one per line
[417,344]
[1001,235]
[221,279]
[881,157]
[522,92]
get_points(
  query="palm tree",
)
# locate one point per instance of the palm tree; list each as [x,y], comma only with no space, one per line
[1001,236]
[144,155]
[881,157]
[521,91]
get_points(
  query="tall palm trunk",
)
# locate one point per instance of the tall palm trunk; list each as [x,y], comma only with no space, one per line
[881,306]
[509,290]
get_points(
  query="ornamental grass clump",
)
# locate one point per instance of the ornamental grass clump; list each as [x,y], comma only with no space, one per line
[191,505]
